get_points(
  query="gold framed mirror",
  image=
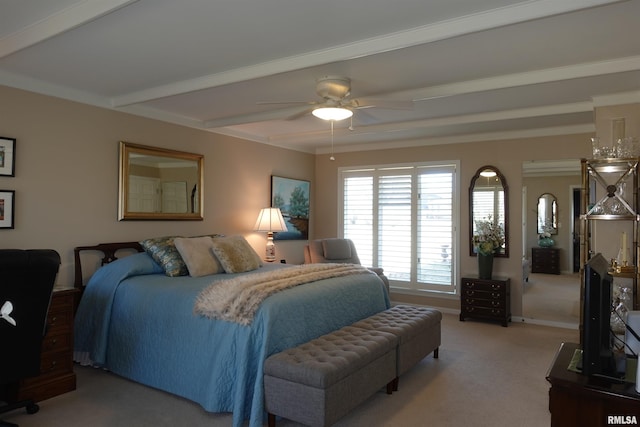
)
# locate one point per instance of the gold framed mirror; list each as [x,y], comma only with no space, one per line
[159,184]
[489,199]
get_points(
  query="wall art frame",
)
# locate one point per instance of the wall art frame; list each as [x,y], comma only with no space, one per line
[7,210]
[7,156]
[292,197]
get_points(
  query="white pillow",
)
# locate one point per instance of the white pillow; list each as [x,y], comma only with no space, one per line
[197,254]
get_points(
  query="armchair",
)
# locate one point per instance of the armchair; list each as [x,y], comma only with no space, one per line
[338,251]
[27,283]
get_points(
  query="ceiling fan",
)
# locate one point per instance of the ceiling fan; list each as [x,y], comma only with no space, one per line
[335,104]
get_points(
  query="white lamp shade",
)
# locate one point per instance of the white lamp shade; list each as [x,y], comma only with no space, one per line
[332,113]
[270,219]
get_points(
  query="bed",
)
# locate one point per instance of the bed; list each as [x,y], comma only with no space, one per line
[139,323]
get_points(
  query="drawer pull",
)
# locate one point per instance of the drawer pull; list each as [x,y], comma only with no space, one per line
[495,295]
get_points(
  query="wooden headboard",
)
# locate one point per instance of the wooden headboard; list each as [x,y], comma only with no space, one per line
[109,255]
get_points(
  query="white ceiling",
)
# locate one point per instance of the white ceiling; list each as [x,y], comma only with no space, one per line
[475,69]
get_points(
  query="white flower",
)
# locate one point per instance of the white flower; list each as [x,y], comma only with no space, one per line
[489,236]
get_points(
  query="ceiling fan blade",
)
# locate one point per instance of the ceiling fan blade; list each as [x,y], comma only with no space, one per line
[388,104]
[285,102]
[364,118]
[300,113]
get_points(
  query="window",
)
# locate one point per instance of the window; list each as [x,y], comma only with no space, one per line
[403,218]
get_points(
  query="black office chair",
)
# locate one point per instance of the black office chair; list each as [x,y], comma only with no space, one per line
[26,283]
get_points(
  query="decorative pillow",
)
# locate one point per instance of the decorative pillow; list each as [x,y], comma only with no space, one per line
[164,252]
[214,235]
[197,253]
[235,254]
[336,249]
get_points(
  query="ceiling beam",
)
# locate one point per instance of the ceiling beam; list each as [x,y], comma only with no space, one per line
[60,22]
[520,113]
[526,11]
[576,71]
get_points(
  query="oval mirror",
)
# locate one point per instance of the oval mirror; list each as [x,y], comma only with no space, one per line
[547,214]
[488,201]
[161,184]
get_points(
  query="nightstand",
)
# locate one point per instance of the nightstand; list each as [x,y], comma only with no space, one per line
[56,364]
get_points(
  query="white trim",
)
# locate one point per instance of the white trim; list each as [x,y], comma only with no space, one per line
[60,22]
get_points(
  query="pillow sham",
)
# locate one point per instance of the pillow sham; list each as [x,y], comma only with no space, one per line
[235,254]
[164,252]
[197,254]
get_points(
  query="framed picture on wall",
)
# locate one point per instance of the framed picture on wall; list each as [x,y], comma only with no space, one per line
[291,196]
[7,156]
[7,199]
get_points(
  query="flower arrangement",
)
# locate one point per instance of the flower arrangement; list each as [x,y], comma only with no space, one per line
[489,236]
[546,232]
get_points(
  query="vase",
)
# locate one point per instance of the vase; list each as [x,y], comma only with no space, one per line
[485,266]
[546,242]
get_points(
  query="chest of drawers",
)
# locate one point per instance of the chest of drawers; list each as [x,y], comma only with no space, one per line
[545,260]
[56,363]
[486,299]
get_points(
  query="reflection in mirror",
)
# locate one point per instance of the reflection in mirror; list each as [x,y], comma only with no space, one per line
[488,198]
[547,214]
[157,183]
[540,297]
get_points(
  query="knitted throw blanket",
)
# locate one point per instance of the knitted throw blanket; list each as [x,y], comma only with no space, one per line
[238,299]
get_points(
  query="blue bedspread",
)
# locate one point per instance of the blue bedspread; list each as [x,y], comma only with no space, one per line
[139,323]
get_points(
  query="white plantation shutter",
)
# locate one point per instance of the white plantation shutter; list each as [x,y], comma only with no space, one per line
[401,218]
[435,226]
[358,215]
[394,226]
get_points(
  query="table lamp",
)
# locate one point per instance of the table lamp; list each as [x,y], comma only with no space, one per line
[270,220]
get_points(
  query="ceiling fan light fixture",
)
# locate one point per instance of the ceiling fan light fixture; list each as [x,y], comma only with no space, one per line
[488,173]
[332,113]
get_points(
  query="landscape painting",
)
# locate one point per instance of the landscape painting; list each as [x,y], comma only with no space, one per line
[291,196]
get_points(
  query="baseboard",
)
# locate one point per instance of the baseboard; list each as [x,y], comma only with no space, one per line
[554,324]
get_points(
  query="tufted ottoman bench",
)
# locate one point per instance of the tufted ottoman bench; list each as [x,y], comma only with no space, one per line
[318,382]
[417,329]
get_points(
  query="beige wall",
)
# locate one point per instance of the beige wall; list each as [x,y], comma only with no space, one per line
[604,117]
[66,179]
[506,155]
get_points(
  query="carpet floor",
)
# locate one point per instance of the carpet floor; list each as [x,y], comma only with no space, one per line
[551,297]
[487,376]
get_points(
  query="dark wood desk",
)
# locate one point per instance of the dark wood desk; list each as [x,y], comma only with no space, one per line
[583,401]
